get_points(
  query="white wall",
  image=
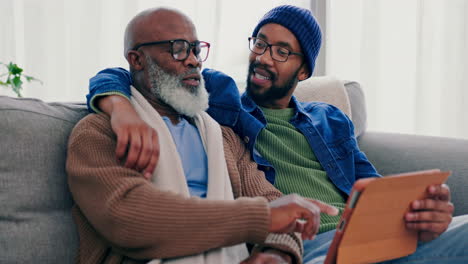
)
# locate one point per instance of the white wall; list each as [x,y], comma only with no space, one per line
[65,42]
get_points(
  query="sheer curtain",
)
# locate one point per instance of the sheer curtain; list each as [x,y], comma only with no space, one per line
[411,57]
[65,42]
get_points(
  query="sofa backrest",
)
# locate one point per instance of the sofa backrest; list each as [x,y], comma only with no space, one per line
[346,95]
[35,219]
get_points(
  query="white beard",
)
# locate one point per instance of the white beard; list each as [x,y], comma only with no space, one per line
[169,88]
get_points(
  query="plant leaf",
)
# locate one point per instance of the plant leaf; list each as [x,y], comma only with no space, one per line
[15,78]
[30,78]
[14,69]
[17,85]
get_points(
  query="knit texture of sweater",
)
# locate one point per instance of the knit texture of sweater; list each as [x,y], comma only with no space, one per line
[297,168]
[123,218]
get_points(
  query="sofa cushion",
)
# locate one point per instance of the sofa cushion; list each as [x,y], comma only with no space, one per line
[347,96]
[35,219]
[324,89]
[358,106]
[393,153]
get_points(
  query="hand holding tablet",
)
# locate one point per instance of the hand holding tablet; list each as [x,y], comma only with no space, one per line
[373,227]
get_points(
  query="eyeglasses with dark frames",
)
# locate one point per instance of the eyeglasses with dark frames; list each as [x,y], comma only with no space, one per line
[180,48]
[277,52]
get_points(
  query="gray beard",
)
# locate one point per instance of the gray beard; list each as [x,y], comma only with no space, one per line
[169,88]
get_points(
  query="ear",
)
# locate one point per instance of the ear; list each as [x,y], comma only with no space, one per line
[303,72]
[135,59]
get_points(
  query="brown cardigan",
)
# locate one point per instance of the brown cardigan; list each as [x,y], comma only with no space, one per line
[123,217]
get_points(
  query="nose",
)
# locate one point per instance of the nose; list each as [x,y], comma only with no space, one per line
[192,60]
[265,58]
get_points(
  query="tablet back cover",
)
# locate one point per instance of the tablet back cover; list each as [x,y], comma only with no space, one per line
[374,230]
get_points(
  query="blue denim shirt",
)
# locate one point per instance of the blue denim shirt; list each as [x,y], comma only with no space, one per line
[329,132]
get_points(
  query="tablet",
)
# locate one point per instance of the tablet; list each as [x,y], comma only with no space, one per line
[372,226]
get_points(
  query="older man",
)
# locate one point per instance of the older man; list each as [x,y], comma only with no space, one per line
[304,147]
[187,213]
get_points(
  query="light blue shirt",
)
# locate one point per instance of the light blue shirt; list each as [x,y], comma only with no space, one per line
[192,155]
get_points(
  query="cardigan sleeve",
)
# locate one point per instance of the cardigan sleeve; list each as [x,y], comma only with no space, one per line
[141,221]
[249,181]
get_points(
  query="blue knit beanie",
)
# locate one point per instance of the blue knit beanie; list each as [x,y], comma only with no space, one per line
[302,24]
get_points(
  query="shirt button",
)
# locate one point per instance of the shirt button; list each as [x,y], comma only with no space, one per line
[246,139]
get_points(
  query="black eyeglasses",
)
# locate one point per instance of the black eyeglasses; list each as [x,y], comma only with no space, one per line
[278,53]
[180,48]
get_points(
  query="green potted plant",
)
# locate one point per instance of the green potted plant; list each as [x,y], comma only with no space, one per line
[14,77]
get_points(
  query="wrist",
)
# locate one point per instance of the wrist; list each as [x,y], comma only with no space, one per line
[114,103]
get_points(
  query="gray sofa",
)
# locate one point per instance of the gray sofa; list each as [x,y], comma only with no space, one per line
[35,220]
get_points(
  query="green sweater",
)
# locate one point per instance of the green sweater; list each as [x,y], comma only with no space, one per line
[297,168]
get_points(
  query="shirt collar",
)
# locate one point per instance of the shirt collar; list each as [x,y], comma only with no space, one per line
[250,106]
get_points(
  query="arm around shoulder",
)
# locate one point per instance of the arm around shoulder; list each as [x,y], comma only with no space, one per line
[111,81]
[142,221]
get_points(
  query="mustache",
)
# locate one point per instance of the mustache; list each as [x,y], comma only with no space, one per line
[256,64]
[189,72]
[180,76]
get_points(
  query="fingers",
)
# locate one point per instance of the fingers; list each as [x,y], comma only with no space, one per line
[307,223]
[133,150]
[145,151]
[325,208]
[432,205]
[136,140]
[433,227]
[303,215]
[308,204]
[430,217]
[312,223]
[151,166]
[122,141]
[299,226]
[303,202]
[296,217]
[440,192]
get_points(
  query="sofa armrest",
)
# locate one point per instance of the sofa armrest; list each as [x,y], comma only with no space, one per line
[394,153]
